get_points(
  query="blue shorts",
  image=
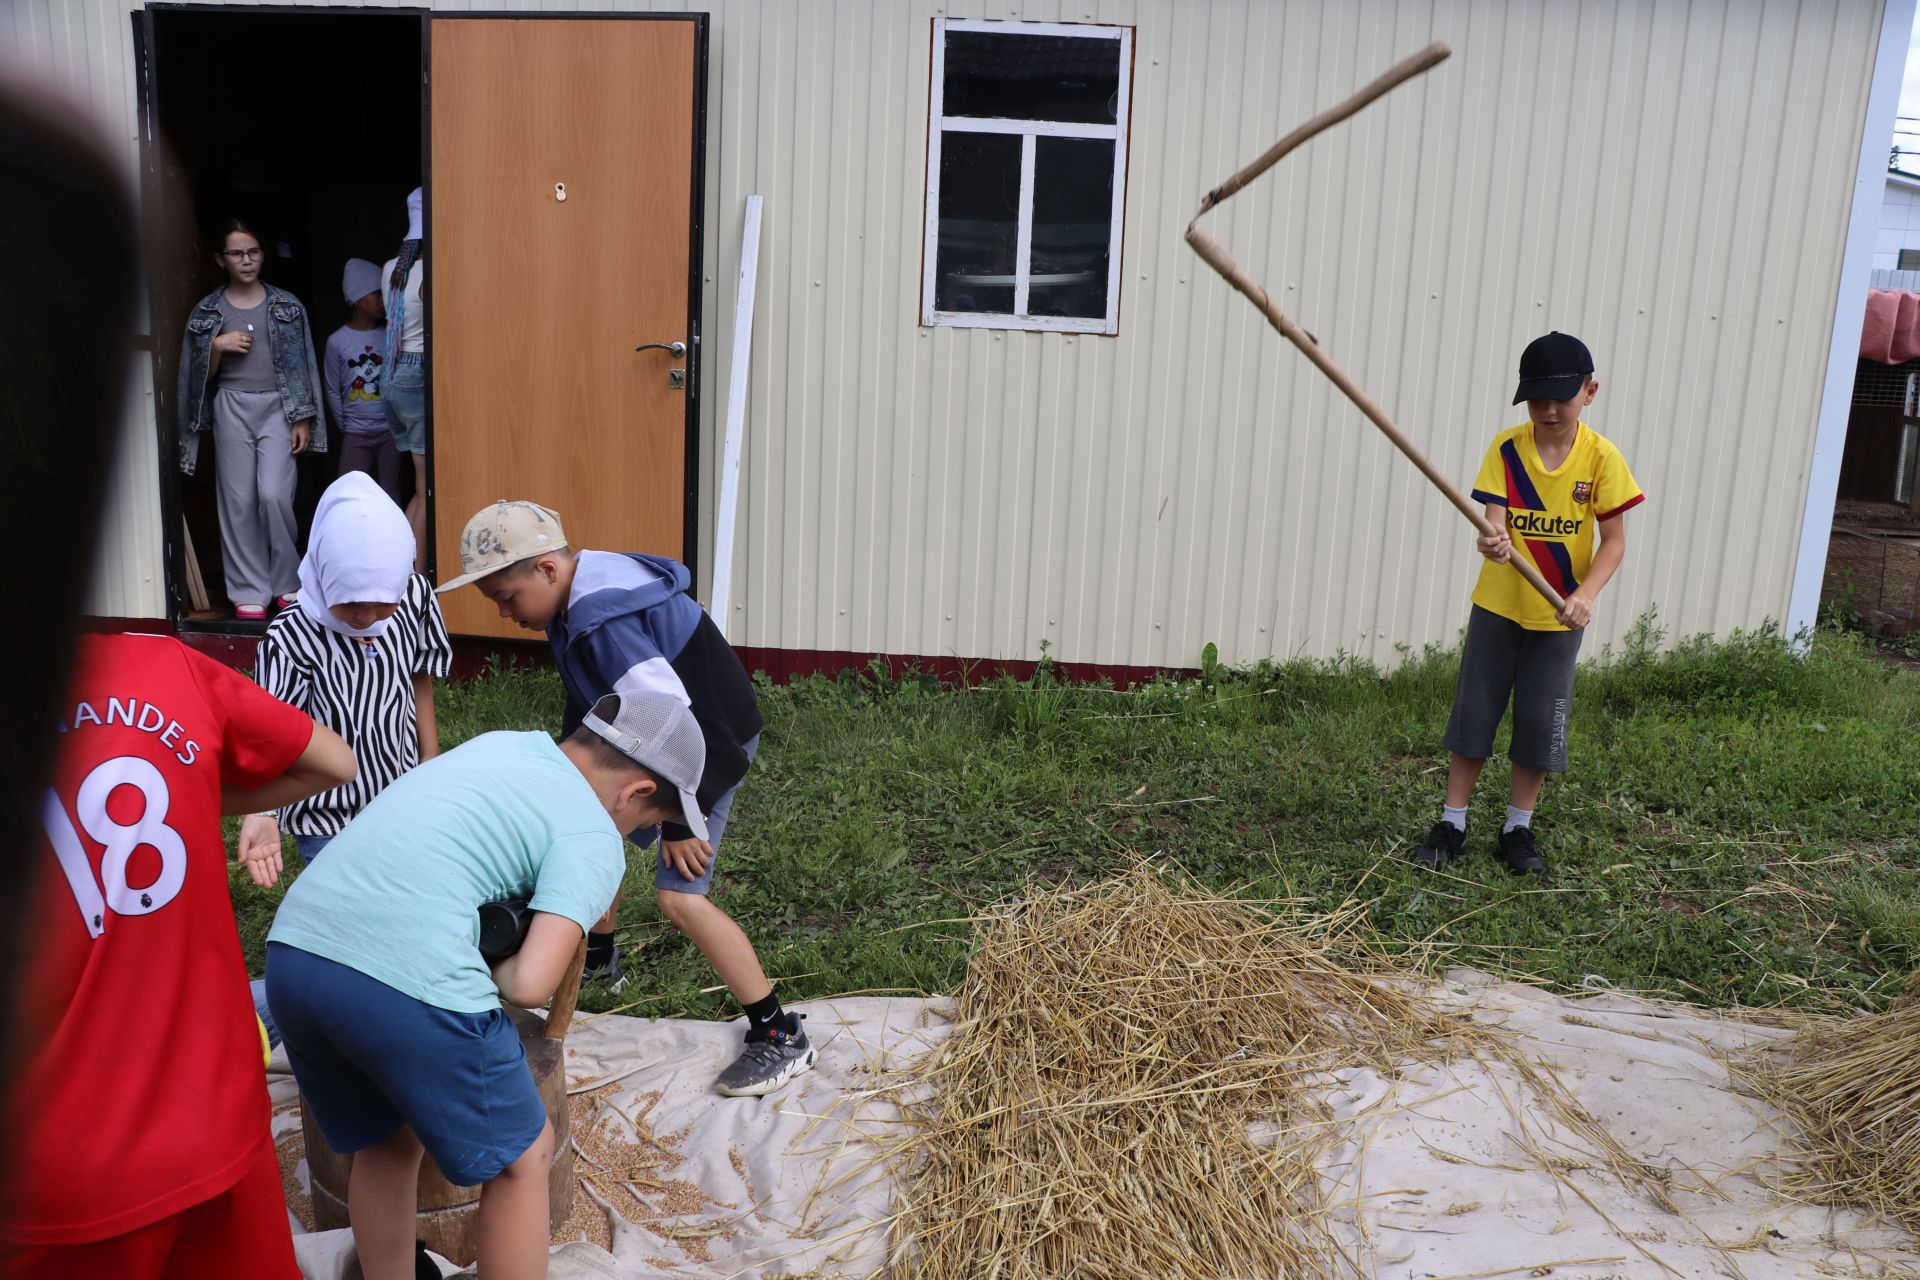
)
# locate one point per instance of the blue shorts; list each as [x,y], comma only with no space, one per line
[665,874]
[404,397]
[370,1059]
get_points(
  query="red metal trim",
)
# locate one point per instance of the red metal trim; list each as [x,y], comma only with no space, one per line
[472,655]
[236,650]
[114,626]
[783,665]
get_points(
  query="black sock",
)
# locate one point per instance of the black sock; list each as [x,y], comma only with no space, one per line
[766,1015]
[599,950]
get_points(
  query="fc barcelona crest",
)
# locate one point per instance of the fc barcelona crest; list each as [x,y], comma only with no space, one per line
[1582,492]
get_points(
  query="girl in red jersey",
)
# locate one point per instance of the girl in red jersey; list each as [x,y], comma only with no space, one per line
[141,1145]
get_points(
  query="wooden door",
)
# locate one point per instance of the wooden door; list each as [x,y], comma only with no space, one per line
[560,238]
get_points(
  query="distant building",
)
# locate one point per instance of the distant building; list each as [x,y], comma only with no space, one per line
[1896,243]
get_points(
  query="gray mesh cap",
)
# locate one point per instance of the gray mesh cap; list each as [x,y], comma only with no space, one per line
[658,731]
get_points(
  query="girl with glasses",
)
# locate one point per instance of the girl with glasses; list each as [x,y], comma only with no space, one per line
[248,374]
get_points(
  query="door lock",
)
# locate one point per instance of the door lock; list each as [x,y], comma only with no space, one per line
[676,378]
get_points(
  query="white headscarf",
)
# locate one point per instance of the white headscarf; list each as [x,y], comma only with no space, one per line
[360,550]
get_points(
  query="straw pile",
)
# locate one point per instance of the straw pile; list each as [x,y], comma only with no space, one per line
[1852,1088]
[1089,1114]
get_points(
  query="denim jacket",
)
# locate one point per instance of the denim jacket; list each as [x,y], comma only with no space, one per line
[294,370]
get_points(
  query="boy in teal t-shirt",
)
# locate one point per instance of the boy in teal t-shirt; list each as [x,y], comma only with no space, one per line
[390,1014]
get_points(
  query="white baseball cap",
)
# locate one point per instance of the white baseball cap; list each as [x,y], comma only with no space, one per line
[658,731]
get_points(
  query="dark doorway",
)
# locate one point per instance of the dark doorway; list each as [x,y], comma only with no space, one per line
[307,124]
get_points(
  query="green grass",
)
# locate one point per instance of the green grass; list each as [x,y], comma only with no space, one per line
[1738,826]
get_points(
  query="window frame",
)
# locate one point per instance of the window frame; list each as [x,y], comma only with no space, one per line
[1029,132]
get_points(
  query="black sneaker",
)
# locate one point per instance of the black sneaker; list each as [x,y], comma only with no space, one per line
[768,1062]
[608,973]
[1442,845]
[1521,854]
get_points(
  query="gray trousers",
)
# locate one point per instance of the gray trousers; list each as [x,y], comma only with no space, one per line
[1503,659]
[254,447]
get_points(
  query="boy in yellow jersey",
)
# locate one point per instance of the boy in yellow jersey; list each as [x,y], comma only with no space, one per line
[1551,486]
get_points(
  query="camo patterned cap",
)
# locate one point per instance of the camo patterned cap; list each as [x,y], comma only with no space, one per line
[503,534]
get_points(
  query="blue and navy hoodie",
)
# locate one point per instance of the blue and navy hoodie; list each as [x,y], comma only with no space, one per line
[630,624]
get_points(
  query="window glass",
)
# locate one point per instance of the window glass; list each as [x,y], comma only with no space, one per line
[979,221]
[1072,226]
[1019,77]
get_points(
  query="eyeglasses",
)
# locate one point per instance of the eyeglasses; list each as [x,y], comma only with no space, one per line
[241,255]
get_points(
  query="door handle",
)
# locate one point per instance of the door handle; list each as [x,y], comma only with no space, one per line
[678,349]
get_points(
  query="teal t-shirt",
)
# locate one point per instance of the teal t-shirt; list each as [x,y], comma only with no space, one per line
[397,894]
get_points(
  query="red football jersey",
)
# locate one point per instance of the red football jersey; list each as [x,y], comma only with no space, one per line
[142,1092]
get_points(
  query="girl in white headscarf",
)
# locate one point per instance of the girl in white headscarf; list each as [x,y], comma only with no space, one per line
[358,653]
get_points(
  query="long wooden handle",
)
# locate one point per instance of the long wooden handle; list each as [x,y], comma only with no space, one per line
[567,998]
[1216,256]
[1399,73]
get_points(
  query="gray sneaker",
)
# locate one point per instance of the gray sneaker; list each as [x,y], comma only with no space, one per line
[765,1065]
[609,973]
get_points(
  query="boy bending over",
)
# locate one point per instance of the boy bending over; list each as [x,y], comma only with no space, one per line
[620,622]
[391,1017]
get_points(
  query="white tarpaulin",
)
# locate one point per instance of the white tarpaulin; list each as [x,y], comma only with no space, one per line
[1436,1179]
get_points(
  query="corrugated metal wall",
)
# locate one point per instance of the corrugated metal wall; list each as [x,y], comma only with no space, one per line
[83,52]
[1669,179]
[129,573]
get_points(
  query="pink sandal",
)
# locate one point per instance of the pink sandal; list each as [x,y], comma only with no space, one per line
[284,602]
[250,612]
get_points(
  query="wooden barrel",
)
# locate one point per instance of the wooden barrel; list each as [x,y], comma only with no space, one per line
[449,1216]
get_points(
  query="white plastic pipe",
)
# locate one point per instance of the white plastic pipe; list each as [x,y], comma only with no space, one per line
[721,607]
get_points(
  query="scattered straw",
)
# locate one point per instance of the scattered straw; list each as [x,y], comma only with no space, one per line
[1089,1114]
[1852,1088]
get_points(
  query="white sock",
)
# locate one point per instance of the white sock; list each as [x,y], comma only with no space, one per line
[1453,816]
[1517,818]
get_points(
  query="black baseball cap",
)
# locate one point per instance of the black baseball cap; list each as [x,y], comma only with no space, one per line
[1555,367]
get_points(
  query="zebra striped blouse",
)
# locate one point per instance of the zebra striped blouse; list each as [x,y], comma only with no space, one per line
[362,692]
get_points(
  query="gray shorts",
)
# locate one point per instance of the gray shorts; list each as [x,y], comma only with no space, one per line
[1503,659]
[665,875]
